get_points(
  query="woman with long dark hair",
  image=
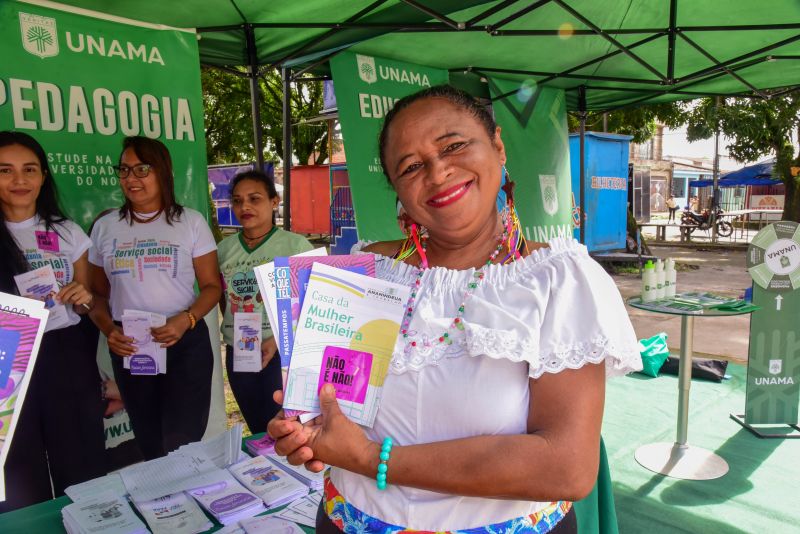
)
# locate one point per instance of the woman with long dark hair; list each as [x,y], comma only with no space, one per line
[254,199]
[59,435]
[147,256]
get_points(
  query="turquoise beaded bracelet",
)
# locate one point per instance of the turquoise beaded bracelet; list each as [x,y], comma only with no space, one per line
[386,450]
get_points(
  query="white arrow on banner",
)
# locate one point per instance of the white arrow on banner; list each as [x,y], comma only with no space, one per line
[778,300]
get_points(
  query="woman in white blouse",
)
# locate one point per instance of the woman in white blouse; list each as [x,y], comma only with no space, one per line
[494,400]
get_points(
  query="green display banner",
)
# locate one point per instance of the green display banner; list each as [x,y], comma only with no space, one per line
[366,88]
[533,123]
[80,82]
[773,371]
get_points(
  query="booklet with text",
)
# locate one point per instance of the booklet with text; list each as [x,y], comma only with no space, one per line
[40,284]
[150,357]
[345,336]
[273,485]
[22,325]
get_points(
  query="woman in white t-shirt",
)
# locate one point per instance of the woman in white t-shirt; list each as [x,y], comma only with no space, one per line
[59,434]
[147,256]
[491,411]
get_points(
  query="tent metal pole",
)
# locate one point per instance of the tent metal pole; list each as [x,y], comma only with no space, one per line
[255,95]
[673,18]
[723,67]
[610,39]
[329,33]
[521,13]
[489,12]
[287,147]
[435,14]
[554,75]
[582,187]
[601,58]
[715,68]
[715,191]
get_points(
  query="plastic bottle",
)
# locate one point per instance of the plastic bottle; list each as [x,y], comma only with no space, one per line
[671,278]
[660,279]
[649,282]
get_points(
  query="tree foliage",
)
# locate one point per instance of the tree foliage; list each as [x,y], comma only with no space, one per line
[639,122]
[756,127]
[229,118]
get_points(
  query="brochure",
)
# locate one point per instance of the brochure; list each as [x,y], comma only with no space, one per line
[228,501]
[345,336]
[247,342]
[173,514]
[315,481]
[102,513]
[261,446]
[273,485]
[265,276]
[22,325]
[291,276]
[270,525]
[151,357]
[40,284]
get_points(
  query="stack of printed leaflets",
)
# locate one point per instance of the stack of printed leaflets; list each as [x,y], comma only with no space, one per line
[173,514]
[150,357]
[270,525]
[228,501]
[315,481]
[272,484]
[104,512]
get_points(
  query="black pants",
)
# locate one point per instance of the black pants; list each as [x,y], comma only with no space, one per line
[568,525]
[170,410]
[59,434]
[253,391]
[672,214]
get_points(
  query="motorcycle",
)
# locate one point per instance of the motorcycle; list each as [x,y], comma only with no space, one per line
[702,221]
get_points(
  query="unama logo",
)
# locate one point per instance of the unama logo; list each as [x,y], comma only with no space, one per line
[547,182]
[366,68]
[775,367]
[39,35]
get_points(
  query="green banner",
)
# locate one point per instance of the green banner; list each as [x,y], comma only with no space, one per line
[533,122]
[366,88]
[773,371]
[79,83]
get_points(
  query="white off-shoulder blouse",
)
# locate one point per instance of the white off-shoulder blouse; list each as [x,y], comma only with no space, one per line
[554,310]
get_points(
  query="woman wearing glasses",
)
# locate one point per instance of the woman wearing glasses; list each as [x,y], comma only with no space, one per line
[147,256]
[59,433]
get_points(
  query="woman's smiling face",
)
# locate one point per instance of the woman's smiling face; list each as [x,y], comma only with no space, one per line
[444,166]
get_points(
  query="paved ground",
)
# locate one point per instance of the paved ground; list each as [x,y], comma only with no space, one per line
[718,270]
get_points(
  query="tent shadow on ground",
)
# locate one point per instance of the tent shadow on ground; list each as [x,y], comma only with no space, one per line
[745,453]
[637,514]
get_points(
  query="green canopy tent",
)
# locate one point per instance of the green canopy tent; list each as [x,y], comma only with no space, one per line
[605,55]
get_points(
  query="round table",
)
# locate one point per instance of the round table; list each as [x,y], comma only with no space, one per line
[679,459]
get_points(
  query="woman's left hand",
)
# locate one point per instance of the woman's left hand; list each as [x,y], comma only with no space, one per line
[75,294]
[336,440]
[173,331]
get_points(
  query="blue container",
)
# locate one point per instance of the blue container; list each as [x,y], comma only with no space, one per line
[606,188]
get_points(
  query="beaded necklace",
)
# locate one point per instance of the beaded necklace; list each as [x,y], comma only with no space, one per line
[457,322]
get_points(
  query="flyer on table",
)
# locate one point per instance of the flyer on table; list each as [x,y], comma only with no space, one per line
[345,336]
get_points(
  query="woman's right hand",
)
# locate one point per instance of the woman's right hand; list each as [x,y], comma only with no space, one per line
[119,343]
[290,436]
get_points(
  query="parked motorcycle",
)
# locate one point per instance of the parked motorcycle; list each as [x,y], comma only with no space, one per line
[702,221]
